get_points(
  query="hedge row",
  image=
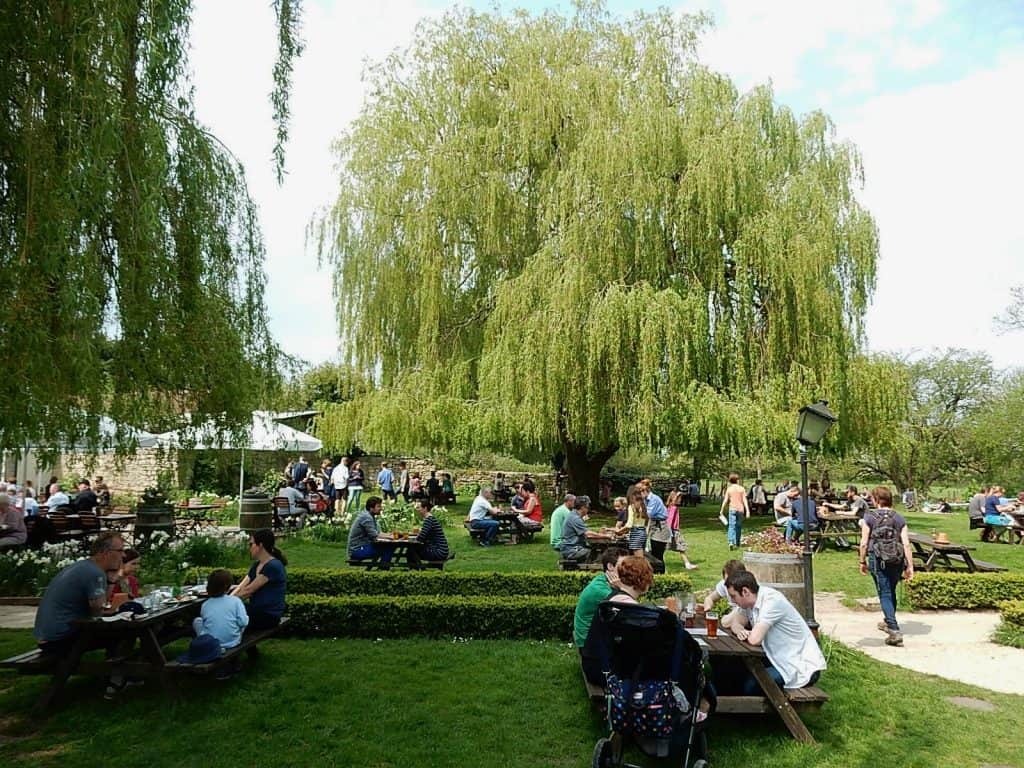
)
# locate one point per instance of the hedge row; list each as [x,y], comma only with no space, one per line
[352,581]
[1012,612]
[538,617]
[964,590]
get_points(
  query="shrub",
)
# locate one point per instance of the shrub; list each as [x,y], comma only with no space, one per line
[166,559]
[499,617]
[964,590]
[341,582]
[1012,612]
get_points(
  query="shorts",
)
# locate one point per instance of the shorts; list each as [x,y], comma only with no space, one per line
[341,493]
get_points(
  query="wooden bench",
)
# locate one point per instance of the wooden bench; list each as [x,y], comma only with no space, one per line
[576,565]
[979,565]
[370,563]
[801,699]
[31,663]
[249,642]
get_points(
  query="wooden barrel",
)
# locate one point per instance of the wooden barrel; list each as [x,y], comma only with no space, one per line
[154,515]
[784,572]
[255,512]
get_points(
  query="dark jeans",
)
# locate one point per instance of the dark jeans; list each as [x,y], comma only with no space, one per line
[658,549]
[372,550]
[489,527]
[752,688]
[886,578]
[258,620]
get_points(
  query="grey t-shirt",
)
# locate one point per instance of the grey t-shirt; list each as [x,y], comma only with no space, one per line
[574,533]
[976,506]
[859,507]
[67,598]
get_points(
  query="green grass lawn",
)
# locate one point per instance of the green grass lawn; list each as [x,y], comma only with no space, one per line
[478,703]
[495,703]
[834,571]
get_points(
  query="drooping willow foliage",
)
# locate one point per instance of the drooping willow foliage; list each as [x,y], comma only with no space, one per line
[567,234]
[131,265]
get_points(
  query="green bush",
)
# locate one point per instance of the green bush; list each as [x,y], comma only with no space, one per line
[1012,612]
[338,582]
[497,617]
[964,590]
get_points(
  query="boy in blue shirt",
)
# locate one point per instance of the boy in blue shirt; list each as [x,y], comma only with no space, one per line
[223,615]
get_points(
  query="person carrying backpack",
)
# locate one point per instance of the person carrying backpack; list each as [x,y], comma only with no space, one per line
[885,552]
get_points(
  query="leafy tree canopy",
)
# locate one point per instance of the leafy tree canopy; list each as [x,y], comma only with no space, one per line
[567,234]
[131,279]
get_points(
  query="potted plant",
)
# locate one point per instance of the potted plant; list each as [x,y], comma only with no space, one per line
[776,563]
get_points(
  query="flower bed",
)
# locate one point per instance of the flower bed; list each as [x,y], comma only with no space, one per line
[27,572]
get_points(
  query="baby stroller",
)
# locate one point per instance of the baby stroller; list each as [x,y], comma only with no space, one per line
[654,685]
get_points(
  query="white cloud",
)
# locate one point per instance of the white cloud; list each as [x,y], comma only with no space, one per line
[234,47]
[943,173]
[914,58]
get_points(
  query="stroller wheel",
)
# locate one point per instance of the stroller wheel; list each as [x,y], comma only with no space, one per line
[603,754]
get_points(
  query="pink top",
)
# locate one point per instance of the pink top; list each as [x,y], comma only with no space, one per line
[673,518]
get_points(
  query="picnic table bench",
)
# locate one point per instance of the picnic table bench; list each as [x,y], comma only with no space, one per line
[509,525]
[842,530]
[933,554]
[250,639]
[400,549]
[789,703]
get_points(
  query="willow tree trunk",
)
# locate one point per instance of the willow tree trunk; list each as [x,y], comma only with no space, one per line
[583,468]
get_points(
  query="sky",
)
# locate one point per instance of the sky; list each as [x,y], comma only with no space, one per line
[928,90]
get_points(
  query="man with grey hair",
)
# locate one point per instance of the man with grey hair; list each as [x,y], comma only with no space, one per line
[479,517]
[575,533]
[12,524]
[558,520]
[57,498]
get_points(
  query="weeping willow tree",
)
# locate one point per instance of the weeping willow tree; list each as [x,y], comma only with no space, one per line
[566,234]
[131,268]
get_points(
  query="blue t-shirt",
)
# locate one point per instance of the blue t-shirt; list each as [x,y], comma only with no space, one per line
[269,599]
[67,598]
[798,511]
[225,618]
[992,506]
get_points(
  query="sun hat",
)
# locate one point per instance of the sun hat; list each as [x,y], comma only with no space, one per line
[202,650]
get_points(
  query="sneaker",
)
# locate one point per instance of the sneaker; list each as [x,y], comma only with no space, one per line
[895,638]
[484,543]
[883,626]
[723,519]
[692,567]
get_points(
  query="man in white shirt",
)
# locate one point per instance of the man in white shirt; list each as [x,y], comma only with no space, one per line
[57,498]
[794,658]
[294,496]
[339,479]
[783,505]
[479,519]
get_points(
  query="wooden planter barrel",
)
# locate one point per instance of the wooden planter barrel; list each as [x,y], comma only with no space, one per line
[152,516]
[255,513]
[784,572]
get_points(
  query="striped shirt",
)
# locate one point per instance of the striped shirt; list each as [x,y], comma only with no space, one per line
[435,545]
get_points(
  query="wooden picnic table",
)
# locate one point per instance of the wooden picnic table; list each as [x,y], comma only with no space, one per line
[509,526]
[835,527]
[153,630]
[947,554]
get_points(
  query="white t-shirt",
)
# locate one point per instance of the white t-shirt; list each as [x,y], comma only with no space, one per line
[480,508]
[339,477]
[789,644]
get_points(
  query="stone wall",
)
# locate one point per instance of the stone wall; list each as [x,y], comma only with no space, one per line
[130,475]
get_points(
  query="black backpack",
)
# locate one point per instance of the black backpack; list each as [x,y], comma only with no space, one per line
[886,545]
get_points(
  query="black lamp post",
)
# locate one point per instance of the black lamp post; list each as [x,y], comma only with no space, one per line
[812,424]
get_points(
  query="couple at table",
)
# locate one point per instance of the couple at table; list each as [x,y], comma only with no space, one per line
[362,537]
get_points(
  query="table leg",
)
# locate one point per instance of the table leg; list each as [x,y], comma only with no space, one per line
[969,561]
[60,677]
[151,650]
[778,699]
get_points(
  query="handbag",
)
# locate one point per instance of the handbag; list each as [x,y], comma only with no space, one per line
[642,708]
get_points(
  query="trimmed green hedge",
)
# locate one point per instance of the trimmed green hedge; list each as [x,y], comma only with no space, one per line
[1012,612]
[538,617]
[352,581]
[964,590]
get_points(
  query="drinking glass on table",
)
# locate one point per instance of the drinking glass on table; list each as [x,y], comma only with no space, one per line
[711,622]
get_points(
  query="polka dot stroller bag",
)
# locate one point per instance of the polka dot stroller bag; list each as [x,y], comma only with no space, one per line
[654,684]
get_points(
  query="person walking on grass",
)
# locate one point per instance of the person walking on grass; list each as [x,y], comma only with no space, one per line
[678,542]
[885,553]
[735,499]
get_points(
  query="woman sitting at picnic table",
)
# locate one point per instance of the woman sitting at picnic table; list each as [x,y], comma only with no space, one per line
[126,582]
[430,535]
[995,511]
[635,578]
[532,515]
[362,537]
[266,583]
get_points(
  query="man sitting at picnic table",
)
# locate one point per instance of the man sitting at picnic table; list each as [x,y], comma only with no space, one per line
[479,519]
[562,511]
[575,534]
[297,503]
[362,538]
[794,658]
[854,505]
[85,500]
[597,591]
[796,525]
[79,592]
[430,535]
[57,498]
[783,505]
[13,533]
